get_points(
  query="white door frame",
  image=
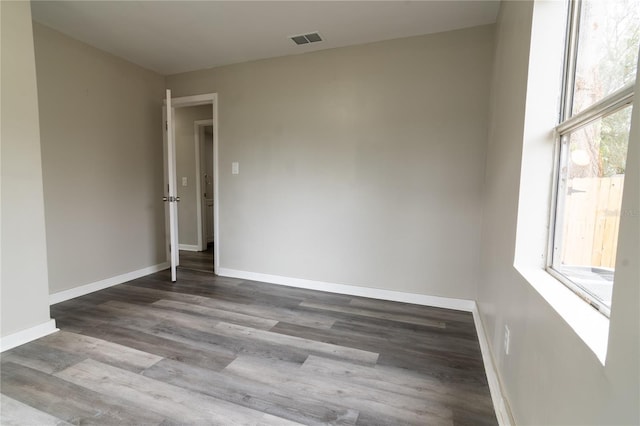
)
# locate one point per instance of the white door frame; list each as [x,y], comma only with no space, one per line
[198,132]
[196,100]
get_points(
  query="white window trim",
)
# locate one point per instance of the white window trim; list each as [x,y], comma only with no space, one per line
[604,107]
[536,181]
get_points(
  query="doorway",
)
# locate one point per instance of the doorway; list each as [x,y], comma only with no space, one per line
[194,154]
[198,256]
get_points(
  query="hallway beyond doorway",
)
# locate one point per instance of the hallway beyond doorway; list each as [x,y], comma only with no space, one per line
[197,260]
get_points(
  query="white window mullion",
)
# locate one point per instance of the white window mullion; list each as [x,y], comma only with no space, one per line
[602,108]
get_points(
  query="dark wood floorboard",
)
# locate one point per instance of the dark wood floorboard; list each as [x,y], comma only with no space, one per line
[197,260]
[210,350]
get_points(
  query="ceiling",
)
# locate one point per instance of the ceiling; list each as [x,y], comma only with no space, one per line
[176,36]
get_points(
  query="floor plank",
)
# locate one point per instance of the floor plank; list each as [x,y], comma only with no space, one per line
[409,319]
[312,346]
[403,409]
[212,350]
[101,350]
[70,402]
[253,394]
[197,260]
[42,358]
[219,314]
[246,306]
[191,352]
[173,402]
[401,382]
[15,413]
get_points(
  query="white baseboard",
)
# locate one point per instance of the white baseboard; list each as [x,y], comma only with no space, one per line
[61,296]
[353,290]
[26,336]
[188,247]
[500,403]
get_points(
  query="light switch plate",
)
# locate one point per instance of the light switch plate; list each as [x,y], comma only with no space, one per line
[184,181]
[235,168]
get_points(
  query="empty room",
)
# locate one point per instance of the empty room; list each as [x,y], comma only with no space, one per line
[320,212]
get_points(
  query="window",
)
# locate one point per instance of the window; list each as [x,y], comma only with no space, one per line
[603,39]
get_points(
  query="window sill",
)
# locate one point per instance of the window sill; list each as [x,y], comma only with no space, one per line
[593,284]
[589,324]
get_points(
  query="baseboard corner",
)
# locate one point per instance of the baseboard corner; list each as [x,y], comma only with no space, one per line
[25,336]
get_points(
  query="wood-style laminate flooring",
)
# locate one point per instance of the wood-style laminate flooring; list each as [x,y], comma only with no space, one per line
[212,350]
[197,260]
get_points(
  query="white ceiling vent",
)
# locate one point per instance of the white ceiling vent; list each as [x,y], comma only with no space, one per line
[306,38]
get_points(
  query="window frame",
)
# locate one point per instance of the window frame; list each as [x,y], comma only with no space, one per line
[567,124]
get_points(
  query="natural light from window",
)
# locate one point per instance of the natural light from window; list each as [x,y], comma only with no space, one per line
[600,70]
[607,50]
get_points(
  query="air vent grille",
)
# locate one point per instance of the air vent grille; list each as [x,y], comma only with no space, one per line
[306,38]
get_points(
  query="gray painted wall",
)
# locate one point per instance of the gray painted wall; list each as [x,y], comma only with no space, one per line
[359,165]
[102,161]
[550,375]
[24,286]
[186,167]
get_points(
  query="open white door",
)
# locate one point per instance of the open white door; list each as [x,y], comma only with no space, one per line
[172,196]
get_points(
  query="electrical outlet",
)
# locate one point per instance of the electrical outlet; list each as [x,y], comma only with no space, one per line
[507,339]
